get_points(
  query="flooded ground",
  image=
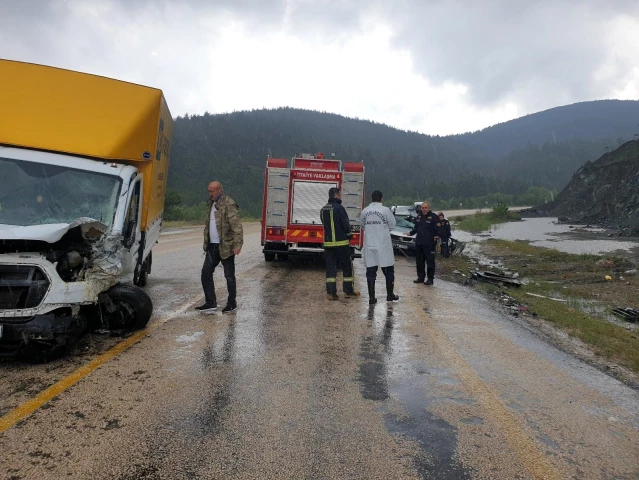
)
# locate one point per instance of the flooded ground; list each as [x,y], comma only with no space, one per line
[546,232]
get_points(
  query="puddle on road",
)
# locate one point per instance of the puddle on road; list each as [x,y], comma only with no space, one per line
[236,342]
[189,338]
[544,232]
[386,375]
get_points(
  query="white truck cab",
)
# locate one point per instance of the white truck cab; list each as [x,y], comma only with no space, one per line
[78,220]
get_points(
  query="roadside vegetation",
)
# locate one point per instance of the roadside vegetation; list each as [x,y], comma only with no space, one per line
[532,196]
[570,291]
[481,222]
[177,214]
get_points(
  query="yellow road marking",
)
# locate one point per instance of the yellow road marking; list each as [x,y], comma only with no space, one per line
[30,406]
[513,431]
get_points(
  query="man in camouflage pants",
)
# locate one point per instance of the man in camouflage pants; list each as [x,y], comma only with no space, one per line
[223,239]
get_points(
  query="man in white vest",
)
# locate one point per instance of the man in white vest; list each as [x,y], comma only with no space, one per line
[377,222]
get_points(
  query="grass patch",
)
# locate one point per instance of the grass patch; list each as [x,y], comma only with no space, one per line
[520,247]
[481,222]
[606,339]
[549,264]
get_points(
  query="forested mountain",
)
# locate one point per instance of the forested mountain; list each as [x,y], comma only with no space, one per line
[615,120]
[233,149]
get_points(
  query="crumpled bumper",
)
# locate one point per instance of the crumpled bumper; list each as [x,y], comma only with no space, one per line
[48,330]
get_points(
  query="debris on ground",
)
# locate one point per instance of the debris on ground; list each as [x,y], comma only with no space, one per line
[604,262]
[512,306]
[456,246]
[496,278]
[629,314]
[544,296]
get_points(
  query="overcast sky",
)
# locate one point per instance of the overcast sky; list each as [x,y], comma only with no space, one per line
[433,66]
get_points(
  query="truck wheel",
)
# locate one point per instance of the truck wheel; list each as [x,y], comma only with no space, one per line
[269,257]
[127,307]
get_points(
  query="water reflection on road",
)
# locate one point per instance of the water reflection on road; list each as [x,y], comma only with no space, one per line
[388,375]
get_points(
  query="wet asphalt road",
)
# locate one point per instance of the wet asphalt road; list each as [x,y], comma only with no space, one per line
[293,386]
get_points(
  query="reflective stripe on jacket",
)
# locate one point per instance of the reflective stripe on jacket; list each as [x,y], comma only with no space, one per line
[337,228]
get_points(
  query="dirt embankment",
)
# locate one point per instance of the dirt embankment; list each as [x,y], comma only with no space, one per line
[604,192]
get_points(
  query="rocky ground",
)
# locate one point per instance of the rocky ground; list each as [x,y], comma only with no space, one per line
[604,192]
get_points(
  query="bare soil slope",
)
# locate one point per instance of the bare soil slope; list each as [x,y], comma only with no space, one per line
[604,192]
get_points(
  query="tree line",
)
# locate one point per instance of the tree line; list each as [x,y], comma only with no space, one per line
[233,149]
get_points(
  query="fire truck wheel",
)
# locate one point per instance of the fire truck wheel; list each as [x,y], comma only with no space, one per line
[269,257]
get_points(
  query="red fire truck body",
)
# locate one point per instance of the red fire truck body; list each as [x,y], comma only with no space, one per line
[293,198]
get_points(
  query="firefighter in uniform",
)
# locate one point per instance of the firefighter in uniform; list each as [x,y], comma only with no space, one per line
[425,242]
[443,232]
[337,234]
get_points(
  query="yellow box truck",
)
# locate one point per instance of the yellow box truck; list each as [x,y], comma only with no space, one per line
[83,169]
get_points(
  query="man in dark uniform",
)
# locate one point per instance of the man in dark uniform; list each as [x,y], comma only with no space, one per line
[337,234]
[443,232]
[425,241]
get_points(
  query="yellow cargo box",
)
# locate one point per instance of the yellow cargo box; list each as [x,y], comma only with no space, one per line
[63,111]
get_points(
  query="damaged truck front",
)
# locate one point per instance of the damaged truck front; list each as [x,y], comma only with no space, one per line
[83,166]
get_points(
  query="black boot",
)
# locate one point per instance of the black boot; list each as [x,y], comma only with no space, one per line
[390,296]
[371,291]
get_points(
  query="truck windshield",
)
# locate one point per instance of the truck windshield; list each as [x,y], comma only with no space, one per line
[38,194]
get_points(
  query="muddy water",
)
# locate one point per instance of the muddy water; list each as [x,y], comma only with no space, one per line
[545,232]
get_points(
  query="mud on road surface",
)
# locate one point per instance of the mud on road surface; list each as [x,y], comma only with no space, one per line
[439,385]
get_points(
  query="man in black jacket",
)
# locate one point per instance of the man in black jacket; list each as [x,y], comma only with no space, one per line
[425,242]
[443,232]
[337,235]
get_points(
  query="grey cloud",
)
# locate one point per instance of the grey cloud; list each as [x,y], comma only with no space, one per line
[537,54]
[164,45]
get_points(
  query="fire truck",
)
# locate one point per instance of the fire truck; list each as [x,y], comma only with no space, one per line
[294,196]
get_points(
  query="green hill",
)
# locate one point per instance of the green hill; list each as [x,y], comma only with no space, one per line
[233,148]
